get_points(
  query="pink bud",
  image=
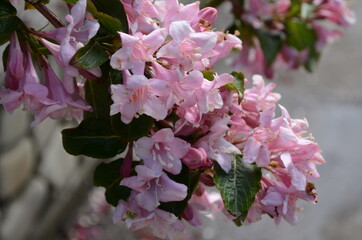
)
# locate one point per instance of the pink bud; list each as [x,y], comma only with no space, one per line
[196,158]
[204,19]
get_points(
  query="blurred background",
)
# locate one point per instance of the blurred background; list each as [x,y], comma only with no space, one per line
[46,193]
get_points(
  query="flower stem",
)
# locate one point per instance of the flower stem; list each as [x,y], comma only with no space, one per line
[52,18]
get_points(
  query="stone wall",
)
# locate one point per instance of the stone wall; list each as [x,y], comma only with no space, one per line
[40,184]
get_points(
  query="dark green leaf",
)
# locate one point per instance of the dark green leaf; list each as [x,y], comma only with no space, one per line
[4,39]
[238,187]
[106,174]
[5,57]
[107,22]
[9,22]
[93,138]
[90,56]
[116,76]
[270,44]
[116,193]
[98,96]
[300,35]
[188,177]
[113,8]
[136,129]
[7,9]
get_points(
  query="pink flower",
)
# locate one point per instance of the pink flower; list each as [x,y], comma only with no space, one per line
[188,47]
[137,50]
[136,96]
[64,103]
[71,38]
[154,186]
[204,19]
[196,158]
[174,11]
[27,89]
[216,146]
[336,11]
[256,151]
[162,150]
[162,223]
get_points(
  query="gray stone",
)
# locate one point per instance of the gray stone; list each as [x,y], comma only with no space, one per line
[43,131]
[345,225]
[13,126]
[57,164]
[16,165]
[22,214]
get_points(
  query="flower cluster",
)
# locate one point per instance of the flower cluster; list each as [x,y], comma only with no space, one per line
[53,97]
[278,23]
[164,59]
[186,127]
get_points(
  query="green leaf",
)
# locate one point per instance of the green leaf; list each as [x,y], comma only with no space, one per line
[90,56]
[93,138]
[300,35]
[115,193]
[9,22]
[188,177]
[108,23]
[116,76]
[4,39]
[270,44]
[313,58]
[136,129]
[5,57]
[238,187]
[108,176]
[7,9]
[113,8]
[209,75]
[98,96]
[238,84]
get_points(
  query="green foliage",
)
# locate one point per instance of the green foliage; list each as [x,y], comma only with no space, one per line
[90,56]
[108,176]
[116,76]
[97,95]
[136,129]
[108,23]
[5,57]
[9,22]
[209,75]
[238,84]
[312,60]
[93,138]
[188,177]
[238,187]
[113,8]
[300,35]
[270,44]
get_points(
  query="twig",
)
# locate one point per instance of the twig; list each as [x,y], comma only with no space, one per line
[52,18]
